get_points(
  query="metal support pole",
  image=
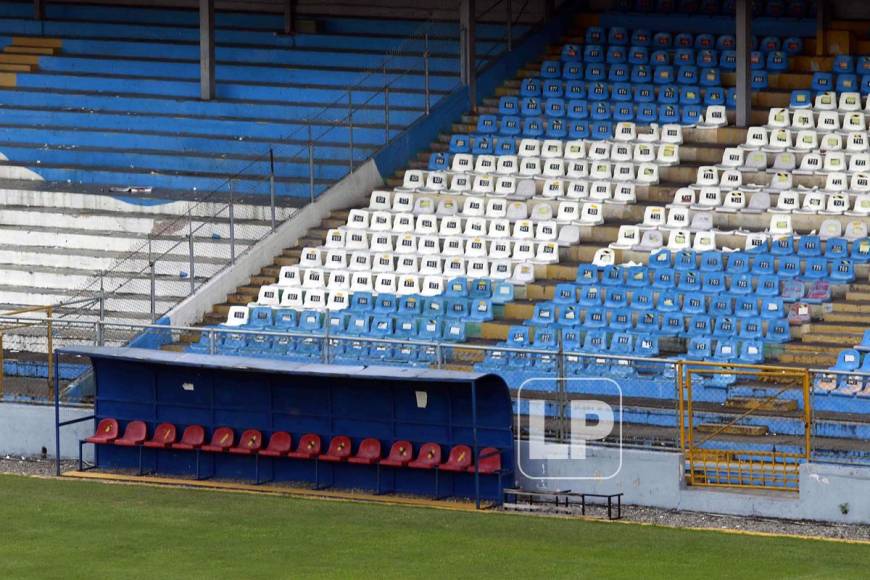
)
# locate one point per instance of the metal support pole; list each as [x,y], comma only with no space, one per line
[102,309]
[289,16]
[2,365]
[272,185]
[426,74]
[509,23]
[744,37]
[821,24]
[231,210]
[468,57]
[49,337]
[206,50]
[190,250]
[310,164]
[386,115]
[152,276]
[38,9]
[350,128]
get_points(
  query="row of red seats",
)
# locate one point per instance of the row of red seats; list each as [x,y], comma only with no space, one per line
[281,445]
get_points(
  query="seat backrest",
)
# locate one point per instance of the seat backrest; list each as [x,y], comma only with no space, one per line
[430,454]
[460,456]
[164,433]
[223,437]
[310,443]
[136,431]
[107,428]
[251,439]
[489,460]
[401,451]
[369,448]
[193,435]
[280,442]
[339,446]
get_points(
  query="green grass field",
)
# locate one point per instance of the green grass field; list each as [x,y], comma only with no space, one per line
[77,529]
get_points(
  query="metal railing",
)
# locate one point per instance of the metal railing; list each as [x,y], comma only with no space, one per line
[212,235]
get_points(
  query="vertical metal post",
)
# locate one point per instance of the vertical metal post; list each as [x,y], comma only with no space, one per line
[49,339]
[350,128]
[310,164]
[272,185]
[211,342]
[2,365]
[560,378]
[56,419]
[509,22]
[102,309]
[289,16]
[426,104]
[231,210]
[744,38]
[206,50]
[38,9]
[467,53]
[190,250]
[474,442]
[821,24]
[153,278]
[386,107]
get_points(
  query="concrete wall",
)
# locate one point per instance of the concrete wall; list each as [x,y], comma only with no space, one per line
[26,429]
[832,493]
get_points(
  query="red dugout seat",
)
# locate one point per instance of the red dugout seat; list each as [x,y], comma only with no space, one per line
[221,440]
[279,444]
[429,457]
[249,444]
[458,460]
[192,438]
[401,453]
[164,436]
[107,431]
[309,447]
[339,449]
[369,452]
[134,434]
[488,461]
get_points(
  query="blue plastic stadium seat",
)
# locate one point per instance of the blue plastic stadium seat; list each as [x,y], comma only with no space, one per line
[862,65]
[694,303]
[801,99]
[638,55]
[641,37]
[593,54]
[587,274]
[571,53]
[439,162]
[647,113]
[487,124]
[595,72]
[684,40]
[865,85]
[690,95]
[782,247]
[728,60]
[647,323]
[843,63]
[578,129]
[705,41]
[623,112]
[757,60]
[572,71]
[642,299]
[510,126]
[822,82]
[575,90]
[595,35]
[530,106]
[569,315]
[772,308]
[601,130]
[699,348]
[751,352]
[641,74]
[644,93]
[788,267]
[260,317]
[778,331]
[596,318]
[663,75]
[793,46]
[809,246]
[669,114]
[459,143]
[668,95]
[616,55]
[721,305]
[847,83]
[673,324]
[621,92]
[759,80]
[843,270]
[660,58]
[598,92]
[762,264]
[777,61]
[684,56]
[434,306]
[530,87]
[662,40]
[661,259]
[618,35]
[769,44]
[619,73]
[750,329]
[713,282]
[551,69]
[508,106]
[544,314]
[664,279]
[577,109]
[726,42]
[532,127]
[836,248]
[768,286]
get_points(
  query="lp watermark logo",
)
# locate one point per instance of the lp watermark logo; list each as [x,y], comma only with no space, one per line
[542,456]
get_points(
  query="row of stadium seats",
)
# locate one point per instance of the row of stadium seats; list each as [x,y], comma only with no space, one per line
[705,8]
[619,36]
[280,446]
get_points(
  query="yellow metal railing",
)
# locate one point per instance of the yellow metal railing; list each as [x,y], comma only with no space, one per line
[736,467]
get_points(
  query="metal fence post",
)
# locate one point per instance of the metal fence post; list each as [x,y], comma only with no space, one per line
[509,25]
[272,185]
[310,164]
[153,278]
[563,393]
[426,103]
[350,128]
[211,341]
[102,308]
[190,249]
[386,115]
[232,227]
[325,351]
